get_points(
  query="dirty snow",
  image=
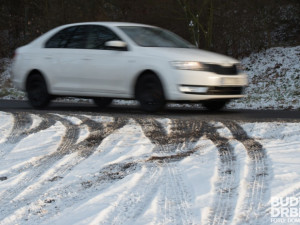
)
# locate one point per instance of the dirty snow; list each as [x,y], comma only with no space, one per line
[150,171]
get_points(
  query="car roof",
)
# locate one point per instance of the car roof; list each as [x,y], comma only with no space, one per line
[109,23]
[41,39]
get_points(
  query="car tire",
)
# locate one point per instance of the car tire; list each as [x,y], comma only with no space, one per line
[149,93]
[102,102]
[37,91]
[215,105]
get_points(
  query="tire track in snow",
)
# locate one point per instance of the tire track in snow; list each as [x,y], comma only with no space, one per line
[97,132]
[21,129]
[102,180]
[46,123]
[132,203]
[170,146]
[64,198]
[225,187]
[36,169]
[176,144]
[257,177]
[174,199]
[129,207]
[105,178]
[22,121]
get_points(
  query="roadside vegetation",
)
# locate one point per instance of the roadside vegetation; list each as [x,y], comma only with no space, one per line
[235,28]
[274,79]
[263,34]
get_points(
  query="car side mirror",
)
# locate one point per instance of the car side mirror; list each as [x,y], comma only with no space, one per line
[116,45]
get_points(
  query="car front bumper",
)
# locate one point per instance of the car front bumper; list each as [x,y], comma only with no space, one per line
[202,85]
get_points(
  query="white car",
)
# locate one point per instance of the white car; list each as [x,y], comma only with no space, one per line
[109,60]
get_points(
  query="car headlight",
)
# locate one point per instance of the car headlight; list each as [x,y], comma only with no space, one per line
[188,65]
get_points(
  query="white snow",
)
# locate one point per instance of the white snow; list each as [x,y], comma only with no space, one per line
[283,151]
[6,124]
[120,184]
[274,79]
[31,148]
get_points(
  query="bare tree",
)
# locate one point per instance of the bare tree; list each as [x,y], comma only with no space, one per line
[232,27]
[199,16]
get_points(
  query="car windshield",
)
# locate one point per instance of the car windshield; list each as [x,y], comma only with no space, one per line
[154,37]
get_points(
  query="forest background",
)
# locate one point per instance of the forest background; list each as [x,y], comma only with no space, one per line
[232,27]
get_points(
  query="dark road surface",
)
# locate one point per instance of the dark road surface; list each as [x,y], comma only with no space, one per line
[176,113]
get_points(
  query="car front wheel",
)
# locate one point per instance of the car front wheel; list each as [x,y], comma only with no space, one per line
[149,93]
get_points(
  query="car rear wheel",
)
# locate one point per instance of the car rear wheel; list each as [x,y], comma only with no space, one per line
[102,102]
[149,93]
[37,91]
[215,105]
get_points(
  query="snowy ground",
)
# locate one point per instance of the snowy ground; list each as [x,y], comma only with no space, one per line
[274,81]
[89,169]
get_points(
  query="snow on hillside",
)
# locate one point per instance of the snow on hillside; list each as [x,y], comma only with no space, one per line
[274,81]
[58,169]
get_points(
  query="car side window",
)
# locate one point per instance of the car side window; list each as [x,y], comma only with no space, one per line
[79,38]
[60,39]
[98,35]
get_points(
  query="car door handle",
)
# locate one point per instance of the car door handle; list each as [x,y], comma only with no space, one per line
[86,59]
[47,57]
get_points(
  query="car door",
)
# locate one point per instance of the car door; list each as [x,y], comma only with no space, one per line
[54,53]
[72,64]
[108,72]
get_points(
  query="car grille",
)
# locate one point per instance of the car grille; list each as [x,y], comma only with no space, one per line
[225,91]
[224,70]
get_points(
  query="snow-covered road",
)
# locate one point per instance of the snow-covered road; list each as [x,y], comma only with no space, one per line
[85,169]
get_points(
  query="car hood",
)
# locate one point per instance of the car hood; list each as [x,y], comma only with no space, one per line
[188,54]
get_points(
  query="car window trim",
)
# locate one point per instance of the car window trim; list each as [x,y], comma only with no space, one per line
[76,28]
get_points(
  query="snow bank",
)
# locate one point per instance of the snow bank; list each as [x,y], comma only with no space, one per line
[274,79]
